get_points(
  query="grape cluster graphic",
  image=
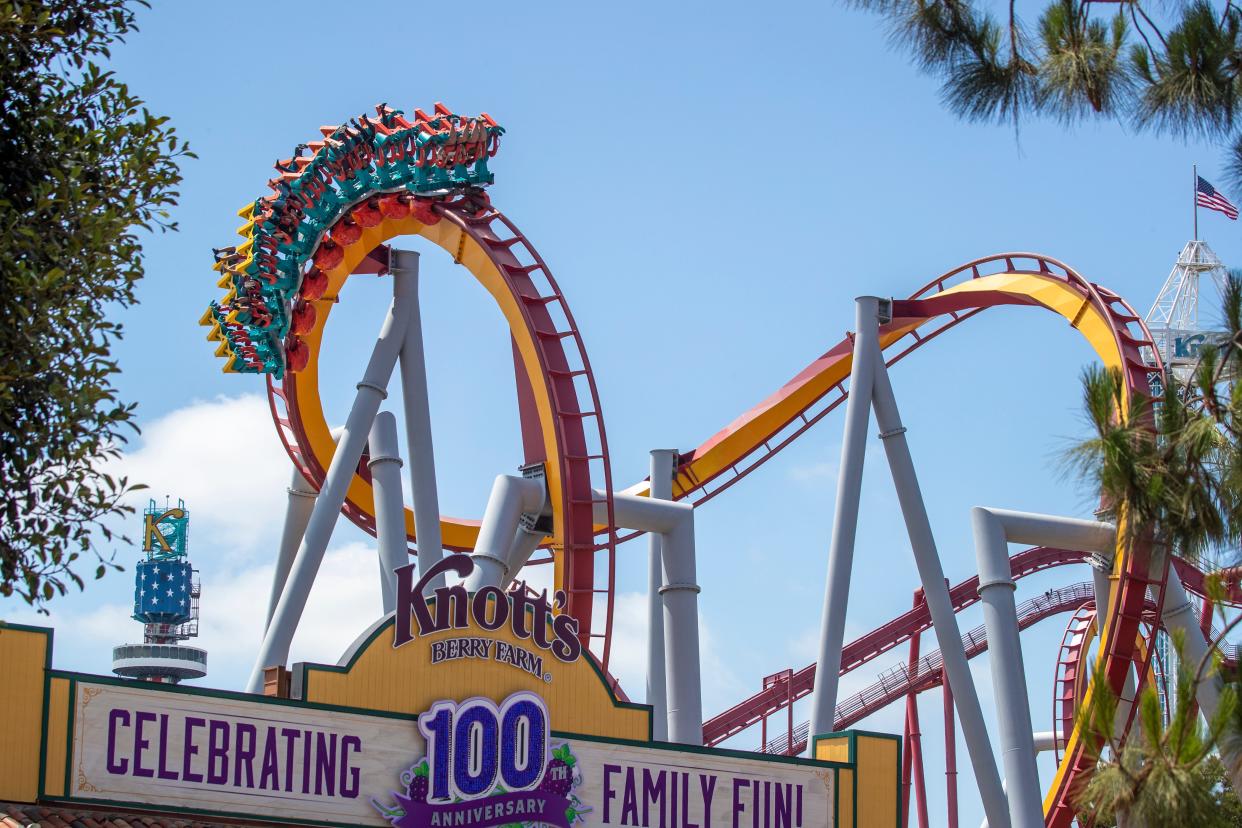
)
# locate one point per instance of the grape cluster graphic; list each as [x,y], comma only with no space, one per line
[560,777]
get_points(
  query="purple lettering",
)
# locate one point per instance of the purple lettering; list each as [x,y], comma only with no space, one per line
[306,751]
[629,803]
[141,744]
[542,613]
[782,812]
[609,793]
[218,750]
[349,789]
[653,793]
[500,612]
[672,808]
[410,598]
[567,646]
[452,600]
[325,764]
[246,738]
[709,790]
[190,749]
[269,778]
[291,736]
[739,807]
[164,771]
[116,718]
[521,602]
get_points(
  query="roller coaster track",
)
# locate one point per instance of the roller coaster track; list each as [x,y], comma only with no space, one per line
[900,681]
[772,700]
[337,207]
[470,231]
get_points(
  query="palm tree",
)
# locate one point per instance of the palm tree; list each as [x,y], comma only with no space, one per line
[1176,71]
[1170,474]
[1155,779]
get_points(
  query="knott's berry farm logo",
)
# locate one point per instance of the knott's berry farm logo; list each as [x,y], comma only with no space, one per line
[488,609]
[488,766]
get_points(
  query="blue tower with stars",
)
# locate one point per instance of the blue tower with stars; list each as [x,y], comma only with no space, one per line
[166,595]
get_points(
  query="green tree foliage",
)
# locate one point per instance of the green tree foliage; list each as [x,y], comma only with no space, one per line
[1163,774]
[1175,69]
[1172,472]
[84,169]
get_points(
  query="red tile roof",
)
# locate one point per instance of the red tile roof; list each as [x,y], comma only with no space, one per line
[22,816]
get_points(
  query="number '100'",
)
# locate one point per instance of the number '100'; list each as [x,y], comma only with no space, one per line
[473,745]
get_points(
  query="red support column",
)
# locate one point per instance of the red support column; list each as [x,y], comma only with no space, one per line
[912,728]
[950,751]
[905,773]
[789,727]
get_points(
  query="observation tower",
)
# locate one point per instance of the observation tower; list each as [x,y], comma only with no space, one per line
[1174,317]
[166,593]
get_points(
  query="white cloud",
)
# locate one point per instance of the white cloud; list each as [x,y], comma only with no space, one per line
[721,687]
[344,601]
[223,458]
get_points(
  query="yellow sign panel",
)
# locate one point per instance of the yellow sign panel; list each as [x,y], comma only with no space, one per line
[454,645]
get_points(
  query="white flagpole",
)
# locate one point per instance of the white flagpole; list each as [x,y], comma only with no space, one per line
[1194,194]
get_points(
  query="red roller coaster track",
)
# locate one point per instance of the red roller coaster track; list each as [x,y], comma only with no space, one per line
[771,700]
[699,476]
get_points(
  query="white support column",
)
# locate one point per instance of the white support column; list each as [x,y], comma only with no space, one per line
[936,594]
[385,465]
[525,542]
[845,519]
[662,463]
[680,592]
[1045,740]
[418,424]
[298,511]
[511,497]
[994,529]
[371,392]
[1013,713]
[1178,615]
[680,598]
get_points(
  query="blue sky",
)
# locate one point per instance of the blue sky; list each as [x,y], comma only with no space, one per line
[711,186]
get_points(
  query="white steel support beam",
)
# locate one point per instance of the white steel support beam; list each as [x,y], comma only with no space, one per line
[371,392]
[845,519]
[994,529]
[298,511]
[417,409]
[525,542]
[662,462]
[1178,615]
[385,465]
[511,497]
[679,592]
[936,595]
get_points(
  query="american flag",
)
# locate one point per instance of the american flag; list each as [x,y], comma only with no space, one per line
[1206,196]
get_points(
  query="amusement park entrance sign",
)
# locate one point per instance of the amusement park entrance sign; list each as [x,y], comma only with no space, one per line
[489,609]
[469,763]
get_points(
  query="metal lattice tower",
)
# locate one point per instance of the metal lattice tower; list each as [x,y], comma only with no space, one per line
[1174,317]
